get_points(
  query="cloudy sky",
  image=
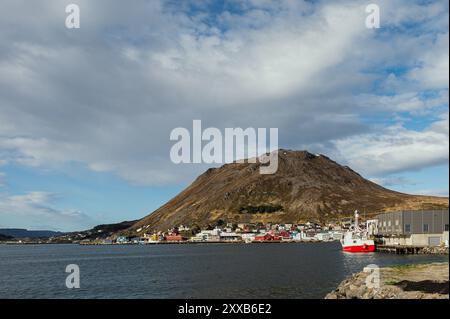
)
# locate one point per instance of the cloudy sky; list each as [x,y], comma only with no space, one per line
[86,114]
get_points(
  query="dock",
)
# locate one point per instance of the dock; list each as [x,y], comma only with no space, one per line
[400,249]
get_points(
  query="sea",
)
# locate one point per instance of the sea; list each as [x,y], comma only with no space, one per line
[276,270]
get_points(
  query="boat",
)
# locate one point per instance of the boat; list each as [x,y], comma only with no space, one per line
[357,240]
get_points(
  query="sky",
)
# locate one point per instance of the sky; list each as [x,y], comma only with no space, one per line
[86,114]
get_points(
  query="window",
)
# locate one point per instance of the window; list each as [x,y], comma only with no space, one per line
[407,228]
[396,222]
[446,227]
[389,223]
[425,228]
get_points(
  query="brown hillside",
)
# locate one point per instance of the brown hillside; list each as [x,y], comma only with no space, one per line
[305,187]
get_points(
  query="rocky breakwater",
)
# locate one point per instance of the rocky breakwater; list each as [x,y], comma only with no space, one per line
[438,250]
[420,281]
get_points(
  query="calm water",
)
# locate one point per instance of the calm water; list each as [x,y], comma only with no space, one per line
[184,271]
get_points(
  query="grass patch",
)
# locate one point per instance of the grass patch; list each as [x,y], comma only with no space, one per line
[405,267]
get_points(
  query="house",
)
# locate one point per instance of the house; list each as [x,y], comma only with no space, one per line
[267,237]
[135,240]
[302,236]
[284,235]
[153,238]
[324,236]
[230,236]
[248,237]
[173,237]
[413,228]
[184,228]
[207,235]
[336,235]
[122,240]
[347,223]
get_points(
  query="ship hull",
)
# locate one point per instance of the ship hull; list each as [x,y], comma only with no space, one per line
[359,248]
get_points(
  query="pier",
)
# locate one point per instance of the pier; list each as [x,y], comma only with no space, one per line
[400,249]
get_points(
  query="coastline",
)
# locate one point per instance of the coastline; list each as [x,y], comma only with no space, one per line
[168,243]
[438,250]
[413,281]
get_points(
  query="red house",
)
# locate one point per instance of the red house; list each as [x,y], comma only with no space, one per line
[173,237]
[267,237]
[285,235]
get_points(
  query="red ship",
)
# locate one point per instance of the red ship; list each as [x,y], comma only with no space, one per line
[356,240]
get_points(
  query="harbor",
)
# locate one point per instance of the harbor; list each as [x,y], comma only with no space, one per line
[399,233]
[254,271]
[406,232]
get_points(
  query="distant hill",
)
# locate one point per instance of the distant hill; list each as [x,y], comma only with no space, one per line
[4,237]
[24,233]
[98,232]
[305,187]
[111,228]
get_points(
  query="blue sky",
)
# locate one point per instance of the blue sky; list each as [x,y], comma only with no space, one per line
[82,190]
[85,114]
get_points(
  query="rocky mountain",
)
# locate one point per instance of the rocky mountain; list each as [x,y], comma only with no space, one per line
[305,187]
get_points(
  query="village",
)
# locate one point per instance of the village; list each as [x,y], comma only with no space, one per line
[398,232]
[236,233]
[403,232]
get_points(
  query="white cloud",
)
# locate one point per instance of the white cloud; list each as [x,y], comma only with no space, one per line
[2,179]
[411,102]
[108,95]
[433,71]
[393,181]
[34,210]
[397,149]
[118,117]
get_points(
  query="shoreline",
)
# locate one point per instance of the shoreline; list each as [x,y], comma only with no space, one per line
[413,281]
[170,243]
[438,250]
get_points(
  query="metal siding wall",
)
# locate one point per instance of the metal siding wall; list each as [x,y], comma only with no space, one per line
[417,222]
[428,219]
[398,223]
[407,220]
[436,219]
[389,223]
[402,228]
[382,221]
[445,219]
[437,222]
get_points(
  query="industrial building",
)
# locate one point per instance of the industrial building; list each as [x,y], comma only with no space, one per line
[413,228]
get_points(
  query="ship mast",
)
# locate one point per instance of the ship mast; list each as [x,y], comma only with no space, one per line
[356,221]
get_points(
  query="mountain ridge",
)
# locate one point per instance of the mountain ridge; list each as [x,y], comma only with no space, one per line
[25,233]
[306,187]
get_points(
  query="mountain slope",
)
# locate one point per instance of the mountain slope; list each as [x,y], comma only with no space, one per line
[305,187]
